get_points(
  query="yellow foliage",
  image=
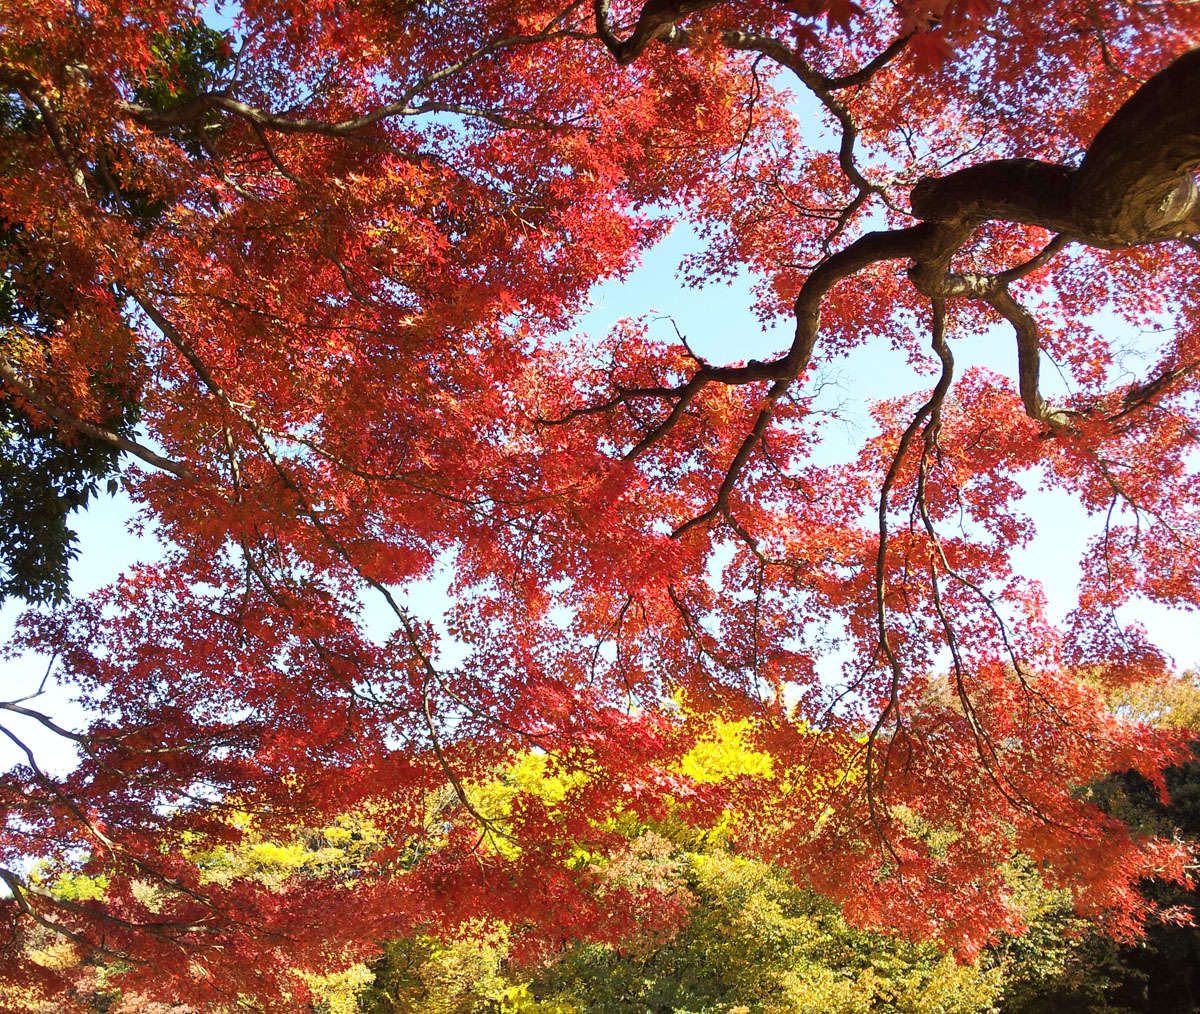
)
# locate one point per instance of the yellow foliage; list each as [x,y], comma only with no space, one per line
[268,855]
[78,887]
[1174,702]
[725,755]
[58,954]
[338,992]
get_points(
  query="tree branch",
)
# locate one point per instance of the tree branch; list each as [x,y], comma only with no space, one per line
[11,376]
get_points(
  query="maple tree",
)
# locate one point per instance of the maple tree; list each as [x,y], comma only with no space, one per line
[329,253]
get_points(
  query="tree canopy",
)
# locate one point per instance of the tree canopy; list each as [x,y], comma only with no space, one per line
[702,930]
[329,255]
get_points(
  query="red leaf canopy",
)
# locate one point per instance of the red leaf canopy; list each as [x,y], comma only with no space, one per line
[331,251]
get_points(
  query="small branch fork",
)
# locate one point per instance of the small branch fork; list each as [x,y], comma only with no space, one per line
[926,421]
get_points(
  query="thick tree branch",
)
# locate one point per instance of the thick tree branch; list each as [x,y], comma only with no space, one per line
[1135,184]
[655,22]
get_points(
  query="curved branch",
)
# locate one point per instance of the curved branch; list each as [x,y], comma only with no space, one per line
[1028,359]
[1137,176]
[30,89]
[872,67]
[822,88]
[928,411]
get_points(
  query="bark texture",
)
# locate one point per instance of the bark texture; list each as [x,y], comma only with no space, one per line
[1135,184]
